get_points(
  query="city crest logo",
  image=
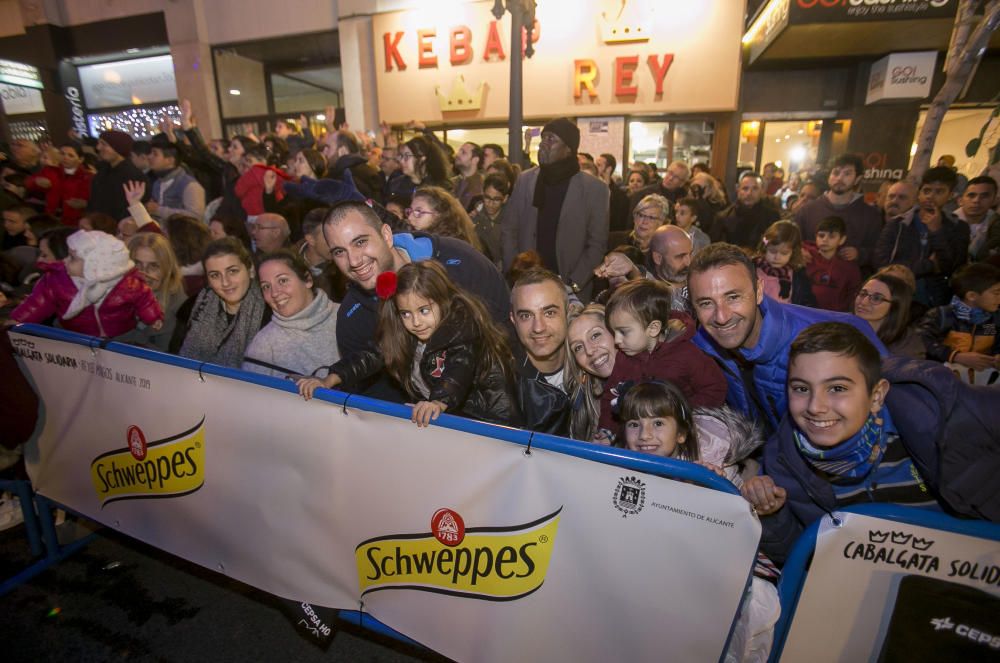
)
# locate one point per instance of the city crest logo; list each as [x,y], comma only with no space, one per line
[501,563]
[171,467]
[629,496]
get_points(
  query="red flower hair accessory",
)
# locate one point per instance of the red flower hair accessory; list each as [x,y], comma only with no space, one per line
[385,285]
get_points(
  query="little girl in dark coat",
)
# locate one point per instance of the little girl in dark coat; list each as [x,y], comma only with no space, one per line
[781,269]
[440,344]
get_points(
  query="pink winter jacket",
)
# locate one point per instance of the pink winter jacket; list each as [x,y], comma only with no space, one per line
[53,293]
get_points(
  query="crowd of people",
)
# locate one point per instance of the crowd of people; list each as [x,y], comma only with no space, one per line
[796,339]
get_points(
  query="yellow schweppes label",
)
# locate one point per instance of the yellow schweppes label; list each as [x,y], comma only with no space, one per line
[490,563]
[170,467]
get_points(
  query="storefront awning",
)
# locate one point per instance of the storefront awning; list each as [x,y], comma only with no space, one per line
[813,29]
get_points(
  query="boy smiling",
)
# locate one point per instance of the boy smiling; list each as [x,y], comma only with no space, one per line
[860,430]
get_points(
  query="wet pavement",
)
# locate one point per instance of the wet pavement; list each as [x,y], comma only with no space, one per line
[120,600]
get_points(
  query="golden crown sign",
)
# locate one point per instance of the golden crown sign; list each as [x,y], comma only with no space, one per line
[460,98]
[632,23]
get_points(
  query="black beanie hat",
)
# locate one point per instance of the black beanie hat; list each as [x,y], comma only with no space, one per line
[119,141]
[566,130]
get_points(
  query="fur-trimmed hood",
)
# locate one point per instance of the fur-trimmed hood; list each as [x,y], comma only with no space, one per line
[726,438]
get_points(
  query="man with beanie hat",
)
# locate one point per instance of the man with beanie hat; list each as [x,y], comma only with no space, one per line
[107,193]
[558,211]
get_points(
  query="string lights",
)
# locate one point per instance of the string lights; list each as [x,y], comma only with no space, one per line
[141,122]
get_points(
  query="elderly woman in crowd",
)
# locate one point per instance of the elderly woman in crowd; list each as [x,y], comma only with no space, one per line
[230,311]
[652,212]
[155,260]
[437,212]
[301,338]
[591,356]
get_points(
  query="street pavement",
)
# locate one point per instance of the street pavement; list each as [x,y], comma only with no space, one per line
[120,600]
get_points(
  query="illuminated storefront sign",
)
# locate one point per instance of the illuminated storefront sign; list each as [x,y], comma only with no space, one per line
[17,100]
[604,57]
[901,76]
[129,82]
[16,73]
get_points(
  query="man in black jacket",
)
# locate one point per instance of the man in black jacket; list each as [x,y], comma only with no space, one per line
[744,222]
[343,152]
[539,307]
[107,194]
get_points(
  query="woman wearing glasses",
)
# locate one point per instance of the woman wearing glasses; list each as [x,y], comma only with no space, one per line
[652,212]
[424,163]
[486,218]
[437,212]
[884,301]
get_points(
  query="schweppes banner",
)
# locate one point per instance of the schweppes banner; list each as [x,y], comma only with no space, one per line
[457,539]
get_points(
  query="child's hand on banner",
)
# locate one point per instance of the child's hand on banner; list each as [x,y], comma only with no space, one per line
[426,411]
[307,386]
[764,495]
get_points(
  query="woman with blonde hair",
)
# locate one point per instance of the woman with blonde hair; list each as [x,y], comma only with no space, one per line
[155,260]
[437,212]
[590,358]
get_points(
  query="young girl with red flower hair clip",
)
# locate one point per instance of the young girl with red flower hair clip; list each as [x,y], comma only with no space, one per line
[440,344]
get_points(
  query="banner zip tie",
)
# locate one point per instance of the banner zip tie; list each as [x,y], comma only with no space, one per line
[201,378]
[527,452]
[344,406]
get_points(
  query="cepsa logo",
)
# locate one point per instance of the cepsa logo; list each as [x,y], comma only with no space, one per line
[487,563]
[171,467]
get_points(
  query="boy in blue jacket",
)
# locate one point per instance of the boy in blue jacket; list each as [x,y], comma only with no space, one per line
[860,429]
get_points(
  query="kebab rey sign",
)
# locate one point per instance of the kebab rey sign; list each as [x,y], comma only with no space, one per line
[602,58]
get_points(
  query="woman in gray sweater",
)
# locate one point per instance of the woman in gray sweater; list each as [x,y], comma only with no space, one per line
[301,338]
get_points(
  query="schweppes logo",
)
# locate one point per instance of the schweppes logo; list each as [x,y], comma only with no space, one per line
[170,467]
[489,563]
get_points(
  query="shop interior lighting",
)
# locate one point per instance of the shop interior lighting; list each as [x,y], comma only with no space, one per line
[321,117]
[798,153]
[234,92]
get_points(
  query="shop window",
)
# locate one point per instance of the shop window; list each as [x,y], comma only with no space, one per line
[308,89]
[791,146]
[960,125]
[665,142]
[497,135]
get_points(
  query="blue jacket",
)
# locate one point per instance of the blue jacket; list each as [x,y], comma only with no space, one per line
[951,431]
[781,324]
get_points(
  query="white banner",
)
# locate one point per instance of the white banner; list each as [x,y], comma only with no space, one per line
[850,592]
[460,541]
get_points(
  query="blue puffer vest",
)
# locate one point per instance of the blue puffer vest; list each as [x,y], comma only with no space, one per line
[174,196]
[781,324]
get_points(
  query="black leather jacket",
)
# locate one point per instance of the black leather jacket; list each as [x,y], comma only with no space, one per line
[453,368]
[546,408]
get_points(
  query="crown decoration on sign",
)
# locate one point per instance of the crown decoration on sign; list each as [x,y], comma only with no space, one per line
[460,98]
[633,22]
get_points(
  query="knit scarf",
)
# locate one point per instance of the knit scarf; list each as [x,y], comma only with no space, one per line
[213,337]
[854,458]
[970,314]
[553,173]
[783,274]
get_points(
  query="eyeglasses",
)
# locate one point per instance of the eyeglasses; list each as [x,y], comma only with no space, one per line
[403,156]
[493,199]
[418,213]
[646,217]
[873,297]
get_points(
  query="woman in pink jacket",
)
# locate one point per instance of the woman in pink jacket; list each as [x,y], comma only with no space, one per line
[96,290]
